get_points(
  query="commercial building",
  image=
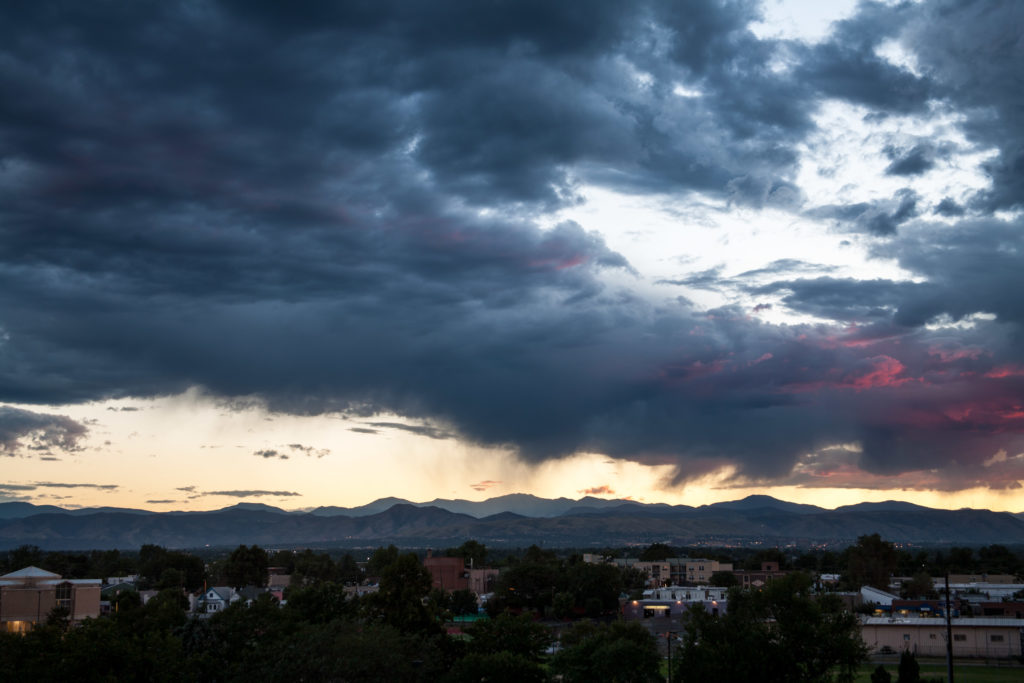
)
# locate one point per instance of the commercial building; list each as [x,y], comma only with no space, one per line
[926,636]
[29,595]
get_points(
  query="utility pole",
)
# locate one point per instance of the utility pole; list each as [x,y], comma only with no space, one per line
[668,644]
[949,635]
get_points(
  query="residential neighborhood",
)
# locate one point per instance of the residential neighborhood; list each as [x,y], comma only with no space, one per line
[463,589]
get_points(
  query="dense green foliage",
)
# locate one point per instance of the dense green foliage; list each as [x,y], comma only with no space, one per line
[781,634]
[622,652]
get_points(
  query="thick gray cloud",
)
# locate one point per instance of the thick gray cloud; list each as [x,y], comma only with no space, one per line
[338,209]
[976,68]
[255,493]
[26,432]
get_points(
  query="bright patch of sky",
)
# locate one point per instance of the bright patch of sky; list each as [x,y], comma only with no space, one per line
[807,20]
[845,159]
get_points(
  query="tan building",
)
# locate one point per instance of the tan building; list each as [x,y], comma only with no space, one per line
[926,636]
[690,571]
[28,595]
[658,573]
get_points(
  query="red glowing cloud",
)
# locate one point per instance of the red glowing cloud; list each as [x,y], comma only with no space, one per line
[604,490]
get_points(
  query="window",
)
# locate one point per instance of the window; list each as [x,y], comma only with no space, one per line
[959,637]
[64,595]
[906,636]
[931,636]
[996,639]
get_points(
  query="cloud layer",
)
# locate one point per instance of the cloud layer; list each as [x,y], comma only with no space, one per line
[345,209]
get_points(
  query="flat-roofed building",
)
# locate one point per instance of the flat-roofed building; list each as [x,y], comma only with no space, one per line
[926,636]
[29,595]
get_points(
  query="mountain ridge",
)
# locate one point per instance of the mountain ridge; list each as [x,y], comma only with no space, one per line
[753,520]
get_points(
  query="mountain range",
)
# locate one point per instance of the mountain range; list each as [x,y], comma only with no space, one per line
[512,520]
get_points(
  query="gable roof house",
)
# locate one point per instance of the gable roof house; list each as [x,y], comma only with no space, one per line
[217,598]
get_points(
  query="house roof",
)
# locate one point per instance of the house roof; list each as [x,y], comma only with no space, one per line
[223,592]
[31,573]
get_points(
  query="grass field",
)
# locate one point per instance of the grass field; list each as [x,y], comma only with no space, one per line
[962,672]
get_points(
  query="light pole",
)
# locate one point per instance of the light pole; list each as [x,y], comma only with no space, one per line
[949,635]
[668,644]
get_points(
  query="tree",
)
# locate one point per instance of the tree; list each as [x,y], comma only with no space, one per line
[871,562]
[618,651]
[595,587]
[310,567]
[781,634]
[320,603]
[518,635]
[348,570]
[400,600]
[530,584]
[381,559]
[154,560]
[880,675]
[920,586]
[997,559]
[497,667]
[723,579]
[24,556]
[462,601]
[755,561]
[246,566]
[473,552]
[656,552]
[910,670]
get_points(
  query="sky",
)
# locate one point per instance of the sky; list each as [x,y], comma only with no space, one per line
[674,252]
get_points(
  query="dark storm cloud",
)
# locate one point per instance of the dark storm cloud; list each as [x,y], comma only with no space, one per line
[421,430]
[949,208]
[24,431]
[968,269]
[336,210]
[976,69]
[705,279]
[786,265]
[880,218]
[848,66]
[914,161]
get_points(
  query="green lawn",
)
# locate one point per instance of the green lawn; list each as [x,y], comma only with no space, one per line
[962,673]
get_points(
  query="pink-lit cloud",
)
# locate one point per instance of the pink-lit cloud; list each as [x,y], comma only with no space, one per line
[604,490]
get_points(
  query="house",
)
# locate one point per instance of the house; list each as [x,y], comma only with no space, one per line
[28,595]
[992,638]
[217,599]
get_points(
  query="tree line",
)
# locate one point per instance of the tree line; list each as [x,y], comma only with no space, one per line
[398,633]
